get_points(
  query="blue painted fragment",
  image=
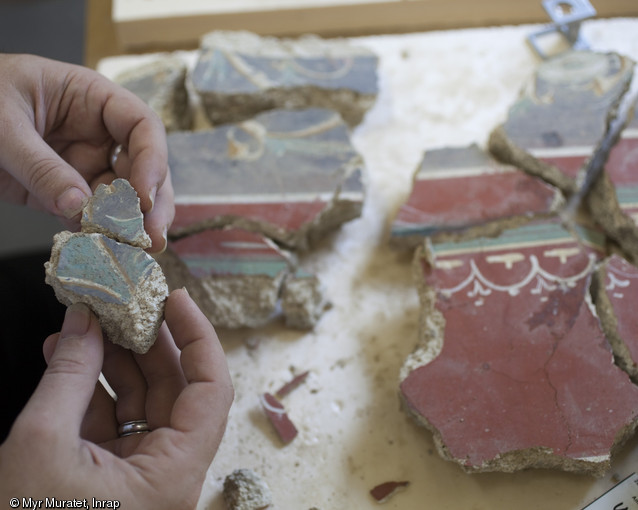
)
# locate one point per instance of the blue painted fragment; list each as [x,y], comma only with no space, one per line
[95,265]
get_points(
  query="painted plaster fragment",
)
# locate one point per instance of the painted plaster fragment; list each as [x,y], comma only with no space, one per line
[235,276]
[290,175]
[114,210]
[106,267]
[384,491]
[457,189]
[514,370]
[240,74]
[121,284]
[245,490]
[277,415]
[242,279]
[562,114]
[162,85]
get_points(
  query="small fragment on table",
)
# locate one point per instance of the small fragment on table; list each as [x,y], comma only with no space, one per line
[384,491]
[240,74]
[120,282]
[245,490]
[277,415]
[291,385]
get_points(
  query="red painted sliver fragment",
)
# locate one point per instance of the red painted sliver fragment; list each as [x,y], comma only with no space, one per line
[382,492]
[278,417]
[291,385]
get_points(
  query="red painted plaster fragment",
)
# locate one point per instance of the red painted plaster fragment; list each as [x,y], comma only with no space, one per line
[523,375]
[277,415]
[384,491]
[292,384]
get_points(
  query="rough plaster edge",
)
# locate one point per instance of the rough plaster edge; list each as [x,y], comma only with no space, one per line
[258,305]
[223,108]
[431,321]
[216,295]
[529,458]
[603,206]
[506,151]
[302,301]
[609,323]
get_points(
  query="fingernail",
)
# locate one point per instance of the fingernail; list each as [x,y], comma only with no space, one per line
[151,196]
[76,320]
[71,202]
[165,236]
[186,290]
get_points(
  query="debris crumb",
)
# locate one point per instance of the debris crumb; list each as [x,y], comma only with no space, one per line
[245,490]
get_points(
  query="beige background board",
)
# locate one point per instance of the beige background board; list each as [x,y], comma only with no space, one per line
[437,89]
[147,23]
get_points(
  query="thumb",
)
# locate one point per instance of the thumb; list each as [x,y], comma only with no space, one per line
[66,388]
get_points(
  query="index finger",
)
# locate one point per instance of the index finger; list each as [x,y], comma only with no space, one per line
[201,409]
[132,123]
[141,133]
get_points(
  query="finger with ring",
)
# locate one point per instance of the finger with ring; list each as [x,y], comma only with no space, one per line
[128,428]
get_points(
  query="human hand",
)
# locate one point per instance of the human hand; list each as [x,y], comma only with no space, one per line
[59,126]
[65,443]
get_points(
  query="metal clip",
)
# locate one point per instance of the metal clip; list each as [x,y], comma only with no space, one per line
[566,16]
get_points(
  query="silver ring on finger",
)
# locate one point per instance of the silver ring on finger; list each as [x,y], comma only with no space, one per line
[128,428]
